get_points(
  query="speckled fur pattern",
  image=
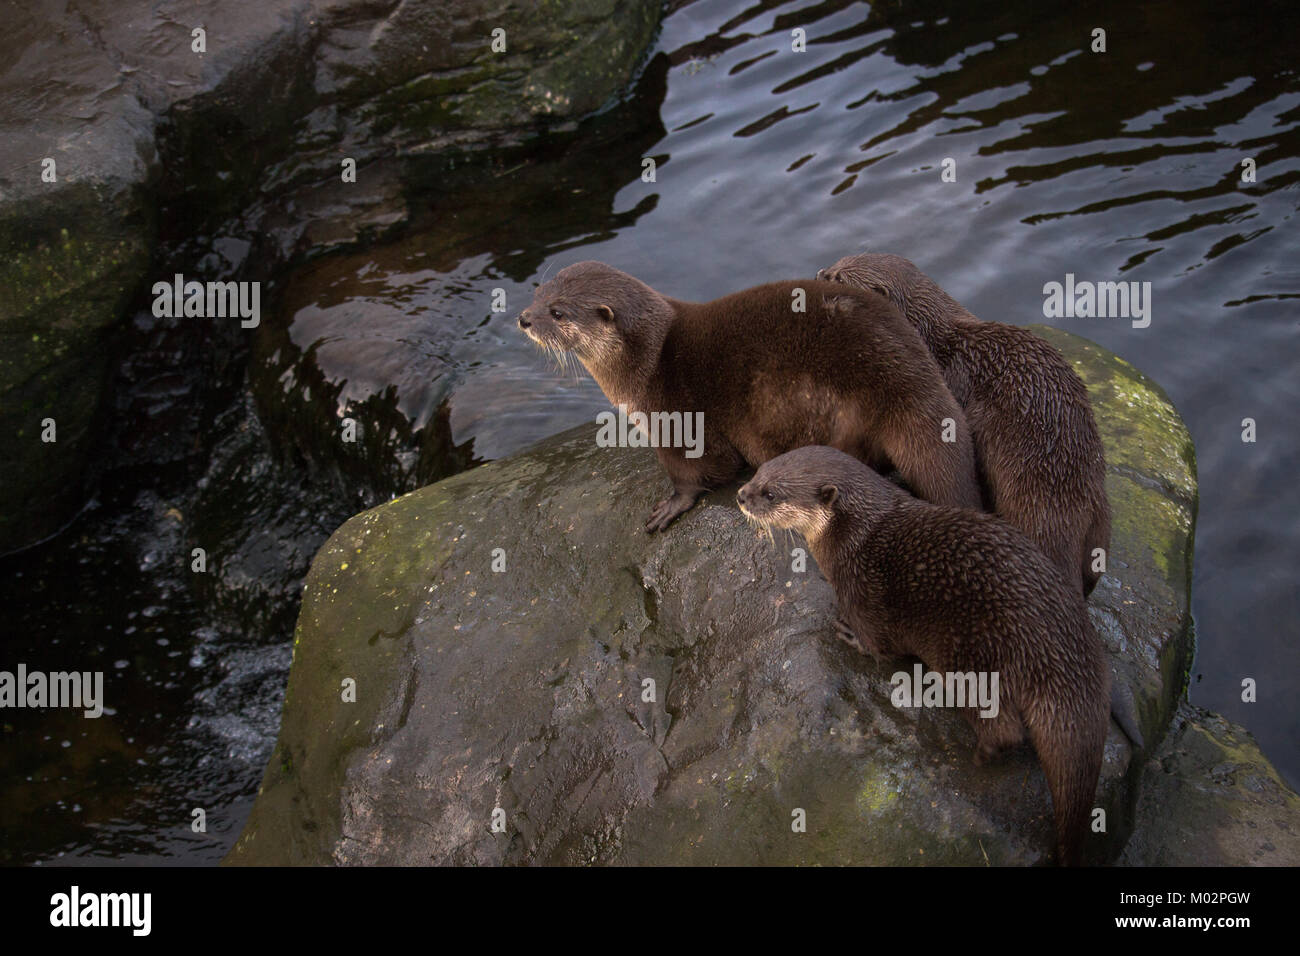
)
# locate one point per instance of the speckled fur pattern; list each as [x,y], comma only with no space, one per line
[963,591]
[849,372]
[1036,441]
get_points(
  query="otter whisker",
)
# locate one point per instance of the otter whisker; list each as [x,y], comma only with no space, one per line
[759,524]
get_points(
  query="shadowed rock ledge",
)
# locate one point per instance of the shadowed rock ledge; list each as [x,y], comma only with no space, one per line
[1209,797]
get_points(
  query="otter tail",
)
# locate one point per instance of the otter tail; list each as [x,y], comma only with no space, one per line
[1124,710]
[1069,744]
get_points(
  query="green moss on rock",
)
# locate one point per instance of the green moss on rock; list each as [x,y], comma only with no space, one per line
[69,262]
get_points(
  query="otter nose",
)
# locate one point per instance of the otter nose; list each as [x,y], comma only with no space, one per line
[742,496]
[524,321]
[823,274]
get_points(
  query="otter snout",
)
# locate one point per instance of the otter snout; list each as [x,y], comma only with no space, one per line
[525,320]
[752,500]
[742,496]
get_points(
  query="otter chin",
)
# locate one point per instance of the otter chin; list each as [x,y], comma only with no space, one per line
[964,592]
[770,368]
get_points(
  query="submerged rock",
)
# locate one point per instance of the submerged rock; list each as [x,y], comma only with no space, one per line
[615,697]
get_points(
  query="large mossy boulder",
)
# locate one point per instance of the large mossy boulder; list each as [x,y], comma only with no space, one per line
[153,129]
[615,697]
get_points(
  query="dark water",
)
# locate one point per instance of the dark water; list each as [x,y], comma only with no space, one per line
[1116,165]
[194,664]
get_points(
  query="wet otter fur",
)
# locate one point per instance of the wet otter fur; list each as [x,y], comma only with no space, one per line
[964,592]
[1036,440]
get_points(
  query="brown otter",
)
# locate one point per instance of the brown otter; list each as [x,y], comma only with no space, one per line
[1036,441]
[765,377]
[964,592]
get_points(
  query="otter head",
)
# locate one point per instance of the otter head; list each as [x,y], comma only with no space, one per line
[574,312]
[892,276]
[801,489]
[615,324]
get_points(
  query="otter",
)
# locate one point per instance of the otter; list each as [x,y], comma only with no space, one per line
[852,374]
[1036,441]
[963,591]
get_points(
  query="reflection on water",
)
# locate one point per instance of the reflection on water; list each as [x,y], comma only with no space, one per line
[769,163]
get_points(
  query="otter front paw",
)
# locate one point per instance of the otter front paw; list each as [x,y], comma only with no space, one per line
[849,636]
[667,511]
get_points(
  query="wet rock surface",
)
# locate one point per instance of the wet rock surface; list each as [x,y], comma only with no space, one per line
[525,690]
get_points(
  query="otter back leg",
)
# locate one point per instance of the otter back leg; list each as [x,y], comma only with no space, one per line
[861,638]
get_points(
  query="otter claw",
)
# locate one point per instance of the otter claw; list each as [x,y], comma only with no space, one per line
[660,518]
[667,511]
[847,635]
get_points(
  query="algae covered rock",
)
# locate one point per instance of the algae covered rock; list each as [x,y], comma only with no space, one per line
[75,236]
[63,291]
[504,668]
[1211,798]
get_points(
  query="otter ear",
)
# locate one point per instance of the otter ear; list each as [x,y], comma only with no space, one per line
[605,312]
[827,494]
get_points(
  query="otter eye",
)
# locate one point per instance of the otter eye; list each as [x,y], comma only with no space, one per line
[768,495]
[555,314]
